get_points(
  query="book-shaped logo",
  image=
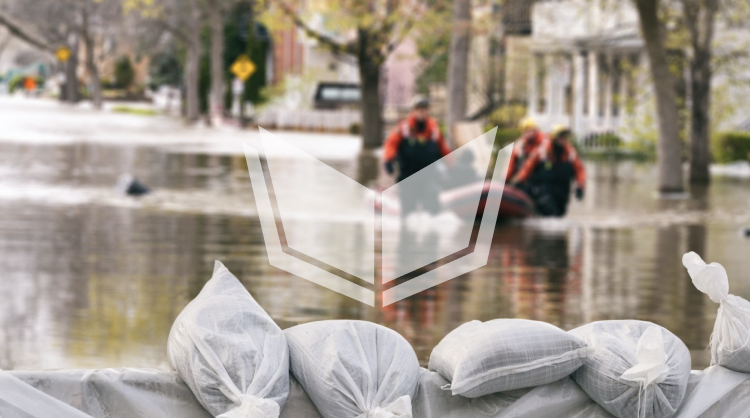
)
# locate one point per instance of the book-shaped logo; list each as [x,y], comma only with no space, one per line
[320,225]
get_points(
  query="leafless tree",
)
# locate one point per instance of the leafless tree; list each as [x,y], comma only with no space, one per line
[183,19]
[379,26]
[216,12]
[49,24]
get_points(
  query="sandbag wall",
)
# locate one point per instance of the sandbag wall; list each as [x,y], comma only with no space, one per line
[232,361]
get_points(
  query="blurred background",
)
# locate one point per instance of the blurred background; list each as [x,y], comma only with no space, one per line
[655,93]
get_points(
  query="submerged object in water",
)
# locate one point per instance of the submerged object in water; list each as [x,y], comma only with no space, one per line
[129,185]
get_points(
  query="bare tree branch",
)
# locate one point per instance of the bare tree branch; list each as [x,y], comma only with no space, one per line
[335,46]
[20,33]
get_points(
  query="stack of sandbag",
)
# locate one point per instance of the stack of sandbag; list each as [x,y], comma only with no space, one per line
[637,369]
[479,358]
[354,369]
[730,341]
[229,352]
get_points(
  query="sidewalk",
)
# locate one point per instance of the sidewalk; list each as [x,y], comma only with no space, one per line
[46,121]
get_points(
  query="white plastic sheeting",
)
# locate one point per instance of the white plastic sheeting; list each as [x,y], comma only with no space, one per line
[637,369]
[141,393]
[230,352]
[480,358]
[730,341]
[119,393]
[354,368]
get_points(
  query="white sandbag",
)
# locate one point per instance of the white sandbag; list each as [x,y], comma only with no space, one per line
[563,398]
[229,352]
[354,369]
[730,341]
[121,392]
[637,369]
[479,358]
[19,400]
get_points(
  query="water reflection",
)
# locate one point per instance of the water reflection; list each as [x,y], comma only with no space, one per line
[97,280]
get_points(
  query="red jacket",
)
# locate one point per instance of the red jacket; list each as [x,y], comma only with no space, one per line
[545,153]
[523,148]
[407,128]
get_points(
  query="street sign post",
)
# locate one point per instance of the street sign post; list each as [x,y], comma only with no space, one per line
[62,53]
[243,68]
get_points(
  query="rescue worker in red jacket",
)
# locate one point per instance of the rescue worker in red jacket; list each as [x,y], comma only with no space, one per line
[549,172]
[525,146]
[413,145]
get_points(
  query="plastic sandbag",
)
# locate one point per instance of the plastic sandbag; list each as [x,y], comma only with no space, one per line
[19,400]
[354,369]
[479,358]
[563,398]
[730,341]
[637,369]
[229,352]
[122,392]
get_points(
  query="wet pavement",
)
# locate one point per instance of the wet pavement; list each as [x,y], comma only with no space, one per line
[90,278]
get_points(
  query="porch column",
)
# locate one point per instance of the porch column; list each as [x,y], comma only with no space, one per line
[577,115]
[533,97]
[608,93]
[624,89]
[549,69]
[593,98]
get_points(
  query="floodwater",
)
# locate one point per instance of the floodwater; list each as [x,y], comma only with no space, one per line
[92,279]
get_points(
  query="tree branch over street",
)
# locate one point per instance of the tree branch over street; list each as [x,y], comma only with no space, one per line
[17,31]
[379,27]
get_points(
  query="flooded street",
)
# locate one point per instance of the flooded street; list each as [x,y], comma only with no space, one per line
[93,279]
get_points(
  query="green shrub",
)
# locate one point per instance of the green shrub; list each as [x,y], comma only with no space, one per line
[610,140]
[506,136]
[641,148]
[16,82]
[135,111]
[507,116]
[124,72]
[731,146]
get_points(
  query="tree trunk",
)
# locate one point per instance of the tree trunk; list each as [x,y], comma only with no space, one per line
[699,19]
[372,107]
[216,98]
[71,73]
[458,65]
[669,148]
[88,43]
[192,65]
[700,118]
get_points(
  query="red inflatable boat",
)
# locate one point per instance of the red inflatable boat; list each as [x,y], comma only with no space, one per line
[515,203]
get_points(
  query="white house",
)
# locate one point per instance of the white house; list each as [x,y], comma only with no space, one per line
[588,62]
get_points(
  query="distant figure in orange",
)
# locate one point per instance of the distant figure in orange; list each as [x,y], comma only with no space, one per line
[531,138]
[29,84]
[549,172]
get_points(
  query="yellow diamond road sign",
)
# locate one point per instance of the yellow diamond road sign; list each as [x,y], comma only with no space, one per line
[62,53]
[243,68]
